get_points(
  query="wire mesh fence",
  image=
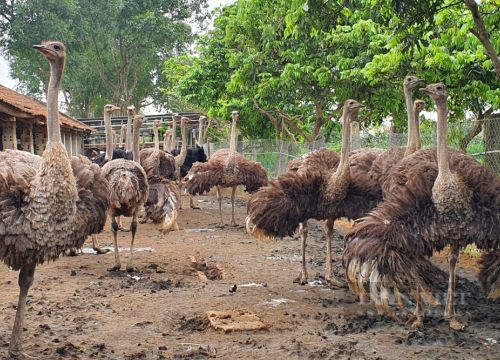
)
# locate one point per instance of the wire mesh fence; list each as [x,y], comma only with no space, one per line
[274,155]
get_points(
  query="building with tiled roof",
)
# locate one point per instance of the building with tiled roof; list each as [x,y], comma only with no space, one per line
[23,122]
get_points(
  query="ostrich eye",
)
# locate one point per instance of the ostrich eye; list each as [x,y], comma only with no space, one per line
[57,47]
[439,88]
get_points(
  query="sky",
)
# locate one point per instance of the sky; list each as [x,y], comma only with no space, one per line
[7,81]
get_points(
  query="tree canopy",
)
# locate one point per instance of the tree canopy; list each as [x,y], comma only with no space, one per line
[286,65]
[116,47]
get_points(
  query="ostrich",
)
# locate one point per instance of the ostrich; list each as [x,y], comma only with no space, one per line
[321,192]
[437,197]
[156,162]
[194,155]
[163,199]
[226,168]
[129,191]
[111,153]
[48,204]
[384,164]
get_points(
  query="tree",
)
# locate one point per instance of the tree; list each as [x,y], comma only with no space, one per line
[116,47]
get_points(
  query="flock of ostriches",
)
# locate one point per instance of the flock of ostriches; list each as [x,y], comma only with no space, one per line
[407,202]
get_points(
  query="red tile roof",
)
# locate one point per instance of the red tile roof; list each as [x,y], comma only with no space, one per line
[37,108]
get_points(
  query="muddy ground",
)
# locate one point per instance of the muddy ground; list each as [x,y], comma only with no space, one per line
[79,310]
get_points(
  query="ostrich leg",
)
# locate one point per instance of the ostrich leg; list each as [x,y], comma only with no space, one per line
[233,193]
[95,246]
[114,229]
[417,321]
[219,198]
[191,202]
[303,231]
[449,313]
[120,225]
[329,269]
[133,228]
[25,280]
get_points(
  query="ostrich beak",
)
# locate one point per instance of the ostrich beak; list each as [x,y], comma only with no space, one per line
[116,108]
[43,49]
[425,90]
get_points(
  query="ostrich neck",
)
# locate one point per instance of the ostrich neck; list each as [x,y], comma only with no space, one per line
[129,132]
[53,127]
[174,133]
[201,135]
[234,136]
[157,139]
[410,145]
[135,147]
[343,167]
[109,136]
[418,141]
[442,139]
[179,160]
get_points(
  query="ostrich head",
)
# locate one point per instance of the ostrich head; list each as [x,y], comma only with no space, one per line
[437,92]
[419,105]
[411,82]
[110,108]
[131,110]
[352,106]
[138,121]
[54,51]
[184,121]
[235,115]
[156,124]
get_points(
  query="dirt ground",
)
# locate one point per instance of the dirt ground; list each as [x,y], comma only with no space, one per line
[79,310]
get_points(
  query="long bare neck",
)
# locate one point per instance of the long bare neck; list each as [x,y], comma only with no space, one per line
[418,141]
[109,136]
[442,138]
[135,151]
[174,132]
[179,160]
[343,166]
[53,127]
[234,137]
[201,134]
[411,143]
[156,138]
[166,141]
[130,121]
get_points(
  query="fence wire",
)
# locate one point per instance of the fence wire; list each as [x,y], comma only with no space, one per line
[275,155]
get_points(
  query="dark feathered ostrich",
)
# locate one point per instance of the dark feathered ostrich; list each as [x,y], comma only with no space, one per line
[48,204]
[163,200]
[194,155]
[437,197]
[226,168]
[129,191]
[320,192]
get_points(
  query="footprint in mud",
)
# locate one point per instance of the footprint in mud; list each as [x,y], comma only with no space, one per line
[356,324]
[196,323]
[211,271]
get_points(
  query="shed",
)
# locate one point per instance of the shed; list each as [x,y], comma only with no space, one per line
[23,125]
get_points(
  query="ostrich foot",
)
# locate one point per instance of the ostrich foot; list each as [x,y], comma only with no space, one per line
[330,279]
[116,267]
[455,324]
[100,251]
[131,269]
[301,279]
[233,224]
[20,355]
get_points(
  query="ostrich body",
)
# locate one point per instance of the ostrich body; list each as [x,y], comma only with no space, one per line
[163,200]
[129,191]
[319,190]
[387,160]
[226,168]
[437,197]
[194,155]
[39,220]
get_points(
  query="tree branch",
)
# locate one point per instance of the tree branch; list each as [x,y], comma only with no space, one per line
[478,126]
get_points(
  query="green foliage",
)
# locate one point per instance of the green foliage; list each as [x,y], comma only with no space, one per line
[116,47]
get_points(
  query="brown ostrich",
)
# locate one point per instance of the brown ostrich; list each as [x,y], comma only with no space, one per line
[163,200]
[437,198]
[129,191]
[384,164]
[156,162]
[48,204]
[226,168]
[317,191]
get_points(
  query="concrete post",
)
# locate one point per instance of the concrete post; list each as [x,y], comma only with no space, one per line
[9,137]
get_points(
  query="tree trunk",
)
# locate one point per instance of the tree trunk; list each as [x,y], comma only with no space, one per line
[475,130]
[492,143]
[318,112]
[482,35]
